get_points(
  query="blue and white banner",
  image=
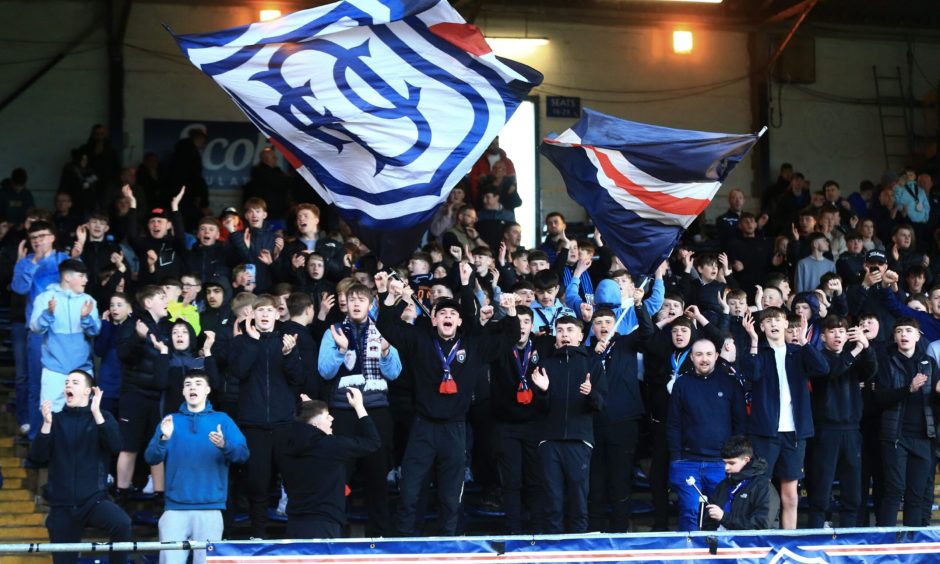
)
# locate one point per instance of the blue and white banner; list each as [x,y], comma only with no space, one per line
[874,546]
[642,184]
[382,105]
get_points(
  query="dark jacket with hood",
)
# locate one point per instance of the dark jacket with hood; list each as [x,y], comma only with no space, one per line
[138,356]
[505,384]
[837,399]
[704,412]
[416,344]
[170,249]
[268,380]
[315,477]
[173,367]
[892,392]
[570,413]
[210,262]
[78,452]
[659,352]
[624,401]
[802,363]
[753,501]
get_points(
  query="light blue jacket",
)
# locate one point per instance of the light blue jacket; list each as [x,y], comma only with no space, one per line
[907,202]
[608,294]
[30,279]
[196,469]
[330,362]
[67,342]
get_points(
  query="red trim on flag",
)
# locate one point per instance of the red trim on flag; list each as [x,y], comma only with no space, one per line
[656,200]
[294,161]
[465,36]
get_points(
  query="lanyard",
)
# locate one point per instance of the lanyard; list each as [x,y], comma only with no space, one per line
[523,393]
[522,365]
[677,359]
[550,324]
[727,507]
[448,385]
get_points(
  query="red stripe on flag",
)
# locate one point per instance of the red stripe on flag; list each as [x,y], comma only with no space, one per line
[465,36]
[656,200]
[294,161]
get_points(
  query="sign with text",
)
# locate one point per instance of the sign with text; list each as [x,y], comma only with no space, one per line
[848,546]
[232,148]
[563,106]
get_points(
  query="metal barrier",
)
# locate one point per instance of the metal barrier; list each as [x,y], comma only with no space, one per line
[99,547]
[816,546]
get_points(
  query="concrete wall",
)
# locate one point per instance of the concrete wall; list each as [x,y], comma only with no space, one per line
[629,72]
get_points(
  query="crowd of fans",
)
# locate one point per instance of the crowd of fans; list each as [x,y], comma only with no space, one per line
[797,345]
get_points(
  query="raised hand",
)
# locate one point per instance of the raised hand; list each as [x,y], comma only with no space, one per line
[540,379]
[638,294]
[175,202]
[298,260]
[748,323]
[278,246]
[486,313]
[381,281]
[583,265]
[354,397]
[22,250]
[288,342]
[265,256]
[166,427]
[142,329]
[723,300]
[96,397]
[918,382]
[216,437]
[501,256]
[46,408]
[207,344]
[251,330]
[587,312]
[51,306]
[327,301]
[87,308]
[81,234]
[466,269]
[585,387]
[161,347]
[151,260]
[342,342]
[128,193]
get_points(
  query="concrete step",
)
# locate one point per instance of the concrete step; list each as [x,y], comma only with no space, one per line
[24,534]
[6,442]
[15,494]
[17,507]
[10,462]
[27,559]
[18,472]
[12,483]
[23,519]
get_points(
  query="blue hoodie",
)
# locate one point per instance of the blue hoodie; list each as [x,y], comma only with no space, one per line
[67,342]
[608,295]
[196,469]
[30,279]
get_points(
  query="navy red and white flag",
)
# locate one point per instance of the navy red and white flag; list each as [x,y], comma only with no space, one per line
[381,105]
[641,184]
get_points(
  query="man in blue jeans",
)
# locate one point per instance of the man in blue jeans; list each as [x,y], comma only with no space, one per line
[705,410]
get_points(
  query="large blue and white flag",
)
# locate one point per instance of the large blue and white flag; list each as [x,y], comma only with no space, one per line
[381,105]
[641,184]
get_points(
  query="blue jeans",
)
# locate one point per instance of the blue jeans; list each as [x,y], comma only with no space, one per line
[707,474]
[18,334]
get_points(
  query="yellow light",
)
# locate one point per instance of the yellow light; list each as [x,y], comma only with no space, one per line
[515,46]
[268,15]
[682,42]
